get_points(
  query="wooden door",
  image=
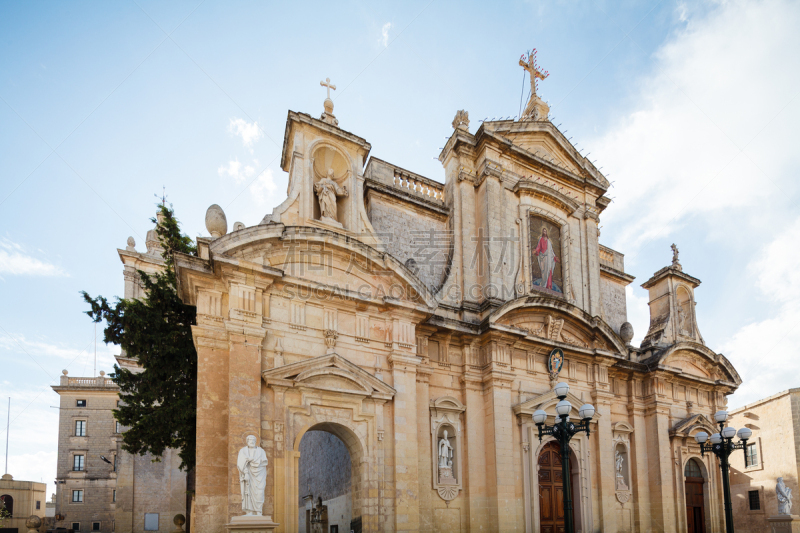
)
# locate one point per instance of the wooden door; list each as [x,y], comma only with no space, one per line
[695,508]
[551,490]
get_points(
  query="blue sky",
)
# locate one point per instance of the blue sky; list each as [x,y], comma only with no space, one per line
[691,110]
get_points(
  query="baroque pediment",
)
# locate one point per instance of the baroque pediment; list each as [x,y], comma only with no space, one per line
[331,373]
[691,425]
[547,402]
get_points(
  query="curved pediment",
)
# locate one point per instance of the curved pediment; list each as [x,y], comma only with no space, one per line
[554,320]
[331,373]
[314,256]
[691,426]
[696,360]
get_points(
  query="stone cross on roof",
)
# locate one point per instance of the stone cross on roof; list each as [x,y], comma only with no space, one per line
[328,115]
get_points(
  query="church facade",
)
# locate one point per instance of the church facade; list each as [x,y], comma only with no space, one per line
[423,323]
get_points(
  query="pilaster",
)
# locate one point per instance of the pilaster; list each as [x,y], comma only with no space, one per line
[605,461]
[660,465]
[500,473]
[406,448]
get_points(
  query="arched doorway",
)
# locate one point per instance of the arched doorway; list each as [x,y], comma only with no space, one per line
[329,480]
[695,501]
[7,503]
[551,489]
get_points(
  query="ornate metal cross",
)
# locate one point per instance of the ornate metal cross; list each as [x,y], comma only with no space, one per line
[529,64]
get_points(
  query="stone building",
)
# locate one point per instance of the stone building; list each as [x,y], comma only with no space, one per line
[100,487]
[772,452]
[422,324]
[20,499]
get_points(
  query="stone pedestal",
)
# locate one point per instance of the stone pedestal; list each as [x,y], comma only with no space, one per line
[784,523]
[251,524]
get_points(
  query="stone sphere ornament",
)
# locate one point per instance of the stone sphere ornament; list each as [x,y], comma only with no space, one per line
[216,222]
[179,520]
[33,523]
[626,332]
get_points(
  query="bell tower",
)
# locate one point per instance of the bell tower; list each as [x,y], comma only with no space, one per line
[672,306]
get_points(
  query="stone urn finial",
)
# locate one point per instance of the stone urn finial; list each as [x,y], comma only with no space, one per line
[216,222]
[626,332]
[179,520]
[33,523]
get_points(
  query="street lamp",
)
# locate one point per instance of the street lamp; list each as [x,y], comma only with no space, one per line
[722,445]
[563,430]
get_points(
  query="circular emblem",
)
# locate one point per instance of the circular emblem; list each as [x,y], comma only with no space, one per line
[555,361]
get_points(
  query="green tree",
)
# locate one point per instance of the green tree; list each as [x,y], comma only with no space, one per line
[159,404]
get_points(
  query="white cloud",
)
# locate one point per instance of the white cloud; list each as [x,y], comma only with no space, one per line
[384,40]
[710,129]
[765,352]
[235,170]
[48,354]
[15,261]
[263,187]
[250,133]
[638,312]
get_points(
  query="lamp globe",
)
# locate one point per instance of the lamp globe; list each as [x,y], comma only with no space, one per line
[745,433]
[563,407]
[701,437]
[539,416]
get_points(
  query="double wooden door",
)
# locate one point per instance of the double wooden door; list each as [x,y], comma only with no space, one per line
[551,490]
[695,509]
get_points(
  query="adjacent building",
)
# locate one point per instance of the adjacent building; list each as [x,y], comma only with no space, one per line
[99,486]
[20,499]
[772,452]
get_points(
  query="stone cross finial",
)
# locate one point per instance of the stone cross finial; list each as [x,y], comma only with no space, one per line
[675,262]
[328,115]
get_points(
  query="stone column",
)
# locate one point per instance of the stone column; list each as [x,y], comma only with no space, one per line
[406,449]
[244,399]
[660,466]
[210,511]
[503,505]
[639,479]
[605,461]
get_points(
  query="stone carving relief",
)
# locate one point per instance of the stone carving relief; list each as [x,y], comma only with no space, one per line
[446,424]
[461,121]
[552,329]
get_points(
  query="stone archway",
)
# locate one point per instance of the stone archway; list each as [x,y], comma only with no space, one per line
[328,393]
[324,474]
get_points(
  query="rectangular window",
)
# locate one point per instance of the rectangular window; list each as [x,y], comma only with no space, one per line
[119,428]
[755,501]
[115,463]
[76,526]
[114,495]
[80,428]
[751,457]
[80,403]
[77,496]
[77,463]
[38,505]
[151,521]
[95,526]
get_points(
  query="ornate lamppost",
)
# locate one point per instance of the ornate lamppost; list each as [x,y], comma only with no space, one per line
[722,446]
[562,431]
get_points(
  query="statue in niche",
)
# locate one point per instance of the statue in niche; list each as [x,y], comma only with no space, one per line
[619,460]
[446,460]
[683,319]
[327,190]
[252,465]
[784,495]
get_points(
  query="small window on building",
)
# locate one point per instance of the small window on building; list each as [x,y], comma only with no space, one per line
[754,499]
[76,526]
[95,526]
[114,495]
[78,463]
[751,457]
[77,496]
[115,463]
[81,403]
[151,521]
[80,428]
[692,469]
[38,505]
[119,428]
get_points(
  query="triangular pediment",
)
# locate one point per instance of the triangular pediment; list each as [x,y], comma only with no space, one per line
[331,373]
[691,425]
[547,402]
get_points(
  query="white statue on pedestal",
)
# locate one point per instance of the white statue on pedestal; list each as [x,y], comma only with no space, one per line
[252,465]
[621,485]
[784,494]
[446,460]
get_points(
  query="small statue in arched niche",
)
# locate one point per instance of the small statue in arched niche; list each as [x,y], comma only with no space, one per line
[446,455]
[619,465]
